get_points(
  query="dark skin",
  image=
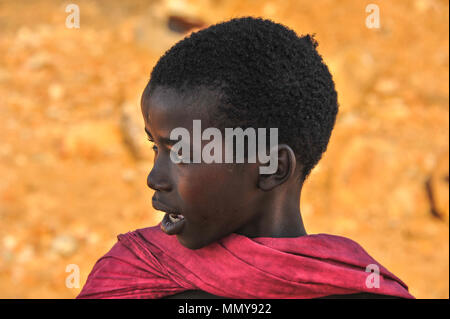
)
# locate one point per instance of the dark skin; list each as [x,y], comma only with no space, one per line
[217,199]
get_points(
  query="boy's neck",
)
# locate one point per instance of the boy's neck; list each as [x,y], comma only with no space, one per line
[278,215]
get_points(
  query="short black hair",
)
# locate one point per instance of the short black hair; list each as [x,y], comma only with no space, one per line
[267,76]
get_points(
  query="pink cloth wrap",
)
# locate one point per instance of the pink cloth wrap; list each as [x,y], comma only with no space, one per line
[148,263]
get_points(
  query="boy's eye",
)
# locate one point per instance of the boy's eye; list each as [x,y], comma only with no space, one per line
[154,147]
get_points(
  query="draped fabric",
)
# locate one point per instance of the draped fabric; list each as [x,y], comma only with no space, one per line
[147,263]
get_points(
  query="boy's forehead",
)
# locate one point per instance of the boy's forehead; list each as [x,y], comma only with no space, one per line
[170,108]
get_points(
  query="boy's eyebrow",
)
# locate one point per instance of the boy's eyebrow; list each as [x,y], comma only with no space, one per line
[148,133]
[164,140]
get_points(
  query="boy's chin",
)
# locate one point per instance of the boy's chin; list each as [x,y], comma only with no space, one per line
[191,243]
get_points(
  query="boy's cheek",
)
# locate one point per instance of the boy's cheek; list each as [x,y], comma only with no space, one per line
[205,186]
[198,188]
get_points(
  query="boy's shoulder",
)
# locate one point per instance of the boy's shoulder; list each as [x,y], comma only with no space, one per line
[146,232]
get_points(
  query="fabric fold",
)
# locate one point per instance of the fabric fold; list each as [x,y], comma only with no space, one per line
[147,263]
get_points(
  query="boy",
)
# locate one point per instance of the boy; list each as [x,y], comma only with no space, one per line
[229,230]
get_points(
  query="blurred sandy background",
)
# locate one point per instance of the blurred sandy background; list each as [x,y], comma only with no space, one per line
[74,158]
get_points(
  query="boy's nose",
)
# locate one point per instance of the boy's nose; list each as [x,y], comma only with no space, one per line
[157,181]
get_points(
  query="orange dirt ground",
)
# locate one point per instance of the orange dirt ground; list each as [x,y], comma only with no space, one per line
[74,158]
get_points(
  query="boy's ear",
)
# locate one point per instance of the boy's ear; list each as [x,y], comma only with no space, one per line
[286,168]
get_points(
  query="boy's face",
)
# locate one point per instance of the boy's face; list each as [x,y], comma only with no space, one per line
[215,199]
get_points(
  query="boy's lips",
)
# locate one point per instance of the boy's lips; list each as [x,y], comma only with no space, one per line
[173,222]
[163,207]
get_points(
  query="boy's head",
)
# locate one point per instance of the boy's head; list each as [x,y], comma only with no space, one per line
[248,73]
